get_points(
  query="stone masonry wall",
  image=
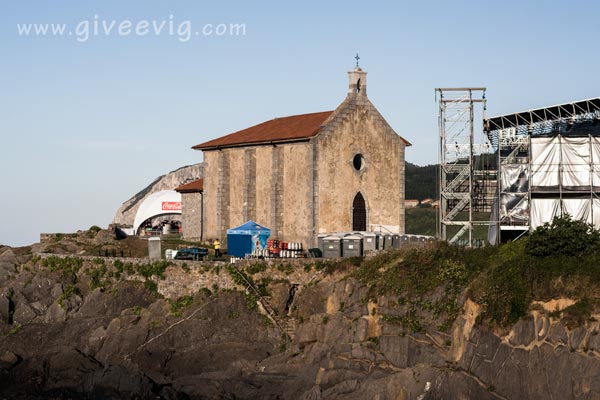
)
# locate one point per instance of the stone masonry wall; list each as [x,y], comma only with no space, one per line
[188,277]
[268,184]
[191,214]
[277,190]
[179,282]
[211,186]
[263,177]
[296,210]
[249,193]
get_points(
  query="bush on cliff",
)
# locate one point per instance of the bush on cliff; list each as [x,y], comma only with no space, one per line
[565,237]
[558,259]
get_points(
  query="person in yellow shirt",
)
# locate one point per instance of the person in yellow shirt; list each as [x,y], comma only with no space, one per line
[217,245]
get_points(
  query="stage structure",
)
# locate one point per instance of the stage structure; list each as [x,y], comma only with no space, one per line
[549,165]
[467,173]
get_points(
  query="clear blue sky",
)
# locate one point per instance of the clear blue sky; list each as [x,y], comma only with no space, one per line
[86,124]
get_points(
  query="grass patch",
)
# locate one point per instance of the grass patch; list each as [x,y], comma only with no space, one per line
[16,329]
[68,292]
[69,266]
[178,305]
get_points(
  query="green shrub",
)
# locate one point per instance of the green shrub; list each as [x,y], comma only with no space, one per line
[256,268]
[96,275]
[68,292]
[374,339]
[267,321]
[285,268]
[151,285]
[179,304]
[68,265]
[156,268]
[563,236]
[118,266]
[233,315]
[576,314]
[16,329]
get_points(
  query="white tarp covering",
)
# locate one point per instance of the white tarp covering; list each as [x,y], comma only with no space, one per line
[514,204]
[560,162]
[575,161]
[567,161]
[578,208]
[515,207]
[544,210]
[545,161]
[514,178]
[596,213]
[595,161]
[159,203]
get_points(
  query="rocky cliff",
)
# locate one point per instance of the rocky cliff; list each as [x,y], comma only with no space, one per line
[126,213]
[355,329]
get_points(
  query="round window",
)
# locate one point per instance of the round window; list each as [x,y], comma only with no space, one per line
[358,162]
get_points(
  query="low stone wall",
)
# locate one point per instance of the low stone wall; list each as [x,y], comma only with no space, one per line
[55,237]
[188,277]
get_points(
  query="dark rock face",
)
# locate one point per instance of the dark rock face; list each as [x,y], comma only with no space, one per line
[121,341]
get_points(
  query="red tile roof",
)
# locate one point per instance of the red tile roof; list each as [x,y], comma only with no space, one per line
[276,130]
[191,187]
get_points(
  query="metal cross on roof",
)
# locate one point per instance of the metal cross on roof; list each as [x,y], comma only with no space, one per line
[357,58]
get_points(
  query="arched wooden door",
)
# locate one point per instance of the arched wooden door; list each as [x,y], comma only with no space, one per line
[359,213]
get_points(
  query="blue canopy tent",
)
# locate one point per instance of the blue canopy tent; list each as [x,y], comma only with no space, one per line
[242,240]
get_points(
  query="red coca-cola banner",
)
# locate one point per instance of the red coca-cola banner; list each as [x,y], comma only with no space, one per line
[171,206]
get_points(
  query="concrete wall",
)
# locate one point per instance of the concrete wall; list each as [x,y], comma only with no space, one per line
[358,128]
[191,215]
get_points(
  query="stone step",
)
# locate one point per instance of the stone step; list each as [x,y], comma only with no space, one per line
[288,325]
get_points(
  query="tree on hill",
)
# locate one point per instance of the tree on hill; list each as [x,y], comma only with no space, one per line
[421,182]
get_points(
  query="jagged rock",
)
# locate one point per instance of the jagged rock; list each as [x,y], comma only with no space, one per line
[523,332]
[125,342]
[395,349]
[313,394]
[464,386]
[577,336]
[8,359]
[280,294]
[558,333]
[117,382]
[55,313]
[4,309]
[8,262]
[23,312]
[594,342]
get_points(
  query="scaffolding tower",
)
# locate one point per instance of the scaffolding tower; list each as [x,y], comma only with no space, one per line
[466,183]
[548,155]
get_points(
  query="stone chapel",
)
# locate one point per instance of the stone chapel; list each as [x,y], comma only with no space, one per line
[302,175]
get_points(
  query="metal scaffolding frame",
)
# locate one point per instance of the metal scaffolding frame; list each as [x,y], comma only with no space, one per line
[511,136]
[464,187]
